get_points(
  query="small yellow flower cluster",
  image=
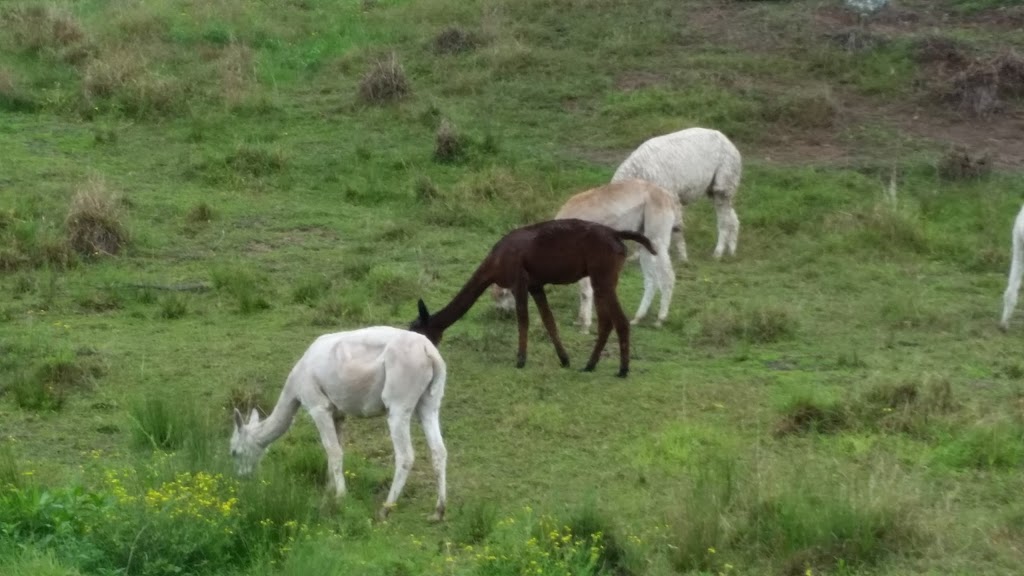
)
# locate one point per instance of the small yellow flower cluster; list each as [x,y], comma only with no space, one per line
[114,481]
[201,496]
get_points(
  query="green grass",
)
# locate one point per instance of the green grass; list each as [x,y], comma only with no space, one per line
[836,398]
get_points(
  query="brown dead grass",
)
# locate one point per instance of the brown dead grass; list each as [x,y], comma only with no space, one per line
[122,79]
[384,82]
[982,86]
[236,73]
[94,222]
[45,30]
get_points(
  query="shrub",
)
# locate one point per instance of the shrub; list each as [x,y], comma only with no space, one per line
[384,82]
[94,221]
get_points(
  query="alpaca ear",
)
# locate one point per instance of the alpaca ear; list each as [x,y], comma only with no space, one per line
[238,419]
[424,315]
[254,417]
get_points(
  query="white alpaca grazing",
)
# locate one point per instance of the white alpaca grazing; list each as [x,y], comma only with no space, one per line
[692,163]
[634,205]
[358,373]
[1016,270]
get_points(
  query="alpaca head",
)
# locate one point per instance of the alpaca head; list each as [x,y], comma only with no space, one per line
[244,449]
[503,298]
[422,325]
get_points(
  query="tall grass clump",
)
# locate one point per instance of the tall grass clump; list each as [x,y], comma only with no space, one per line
[701,521]
[49,383]
[474,522]
[95,220]
[243,286]
[995,445]
[384,82]
[161,423]
[756,325]
[311,289]
[173,306]
[13,97]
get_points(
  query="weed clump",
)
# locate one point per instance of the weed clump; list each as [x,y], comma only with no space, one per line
[173,306]
[384,82]
[455,40]
[425,189]
[94,221]
[256,161]
[959,164]
[449,145]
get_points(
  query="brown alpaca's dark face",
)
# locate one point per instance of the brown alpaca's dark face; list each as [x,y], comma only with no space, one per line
[421,325]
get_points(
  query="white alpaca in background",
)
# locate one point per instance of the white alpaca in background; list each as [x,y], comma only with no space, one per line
[633,205]
[358,373]
[1016,270]
[692,163]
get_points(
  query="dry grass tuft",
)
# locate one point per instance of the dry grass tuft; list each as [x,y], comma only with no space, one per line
[384,82]
[236,71]
[449,145]
[12,97]
[94,221]
[455,40]
[960,164]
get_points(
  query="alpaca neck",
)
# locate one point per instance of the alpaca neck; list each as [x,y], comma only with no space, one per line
[279,420]
[465,299]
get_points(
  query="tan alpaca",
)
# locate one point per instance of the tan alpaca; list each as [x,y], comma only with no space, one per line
[633,205]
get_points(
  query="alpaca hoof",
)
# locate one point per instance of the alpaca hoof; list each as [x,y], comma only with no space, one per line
[564,361]
[437,516]
[521,361]
[587,369]
[658,323]
[623,372]
[1004,327]
[382,514]
[634,321]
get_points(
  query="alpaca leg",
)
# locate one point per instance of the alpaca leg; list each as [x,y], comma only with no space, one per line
[728,226]
[604,327]
[1013,282]
[429,419]
[398,423]
[586,305]
[618,319]
[549,323]
[647,262]
[666,278]
[677,235]
[330,437]
[523,319]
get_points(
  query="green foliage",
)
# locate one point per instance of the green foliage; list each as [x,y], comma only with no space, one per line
[173,306]
[243,285]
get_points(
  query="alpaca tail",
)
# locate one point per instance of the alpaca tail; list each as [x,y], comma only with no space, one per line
[437,383]
[636,237]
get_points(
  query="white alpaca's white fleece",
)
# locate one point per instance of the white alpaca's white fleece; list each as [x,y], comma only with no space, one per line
[692,163]
[1016,270]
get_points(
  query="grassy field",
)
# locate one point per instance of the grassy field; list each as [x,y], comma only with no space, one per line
[191,192]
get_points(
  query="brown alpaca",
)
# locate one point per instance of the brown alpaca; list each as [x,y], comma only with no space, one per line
[552,252]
